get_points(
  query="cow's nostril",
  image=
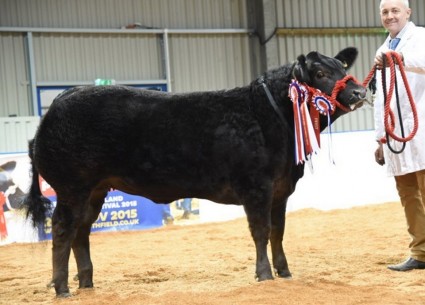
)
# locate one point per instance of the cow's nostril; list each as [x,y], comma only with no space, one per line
[360,93]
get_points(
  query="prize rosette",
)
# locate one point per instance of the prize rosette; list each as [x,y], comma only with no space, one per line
[323,105]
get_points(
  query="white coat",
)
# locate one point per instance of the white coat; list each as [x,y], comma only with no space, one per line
[412,159]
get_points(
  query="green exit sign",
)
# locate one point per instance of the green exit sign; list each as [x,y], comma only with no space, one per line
[104,82]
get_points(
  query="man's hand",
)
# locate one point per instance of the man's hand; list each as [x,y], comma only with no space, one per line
[379,154]
[379,62]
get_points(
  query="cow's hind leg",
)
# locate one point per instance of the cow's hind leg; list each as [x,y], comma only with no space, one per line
[280,263]
[65,220]
[81,244]
[257,207]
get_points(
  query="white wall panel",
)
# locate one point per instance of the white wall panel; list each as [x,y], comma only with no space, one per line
[15,133]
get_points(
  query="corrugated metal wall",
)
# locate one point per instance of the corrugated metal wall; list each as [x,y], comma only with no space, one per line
[200,62]
[85,57]
[328,13]
[337,13]
[14,84]
[177,14]
[62,57]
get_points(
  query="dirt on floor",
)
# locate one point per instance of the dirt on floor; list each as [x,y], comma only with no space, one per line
[336,257]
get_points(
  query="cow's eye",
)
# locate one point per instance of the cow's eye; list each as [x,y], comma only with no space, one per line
[320,74]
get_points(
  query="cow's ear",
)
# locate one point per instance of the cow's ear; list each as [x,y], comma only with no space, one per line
[8,166]
[300,70]
[347,56]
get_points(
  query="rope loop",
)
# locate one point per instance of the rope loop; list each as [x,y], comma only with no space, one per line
[393,59]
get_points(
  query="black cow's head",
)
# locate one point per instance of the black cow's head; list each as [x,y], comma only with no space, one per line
[322,72]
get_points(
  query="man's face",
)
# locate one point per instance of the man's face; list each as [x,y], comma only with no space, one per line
[394,16]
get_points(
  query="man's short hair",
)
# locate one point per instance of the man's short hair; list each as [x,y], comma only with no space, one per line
[405,2]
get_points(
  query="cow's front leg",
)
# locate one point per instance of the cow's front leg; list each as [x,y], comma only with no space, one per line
[258,215]
[280,263]
[63,233]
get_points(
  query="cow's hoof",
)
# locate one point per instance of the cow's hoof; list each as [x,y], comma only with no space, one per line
[63,295]
[284,274]
[263,278]
[86,286]
[286,277]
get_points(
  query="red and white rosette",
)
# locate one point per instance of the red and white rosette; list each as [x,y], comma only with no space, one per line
[305,139]
[326,108]
[322,104]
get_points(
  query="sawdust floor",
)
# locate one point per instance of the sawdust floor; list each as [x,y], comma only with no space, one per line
[336,257]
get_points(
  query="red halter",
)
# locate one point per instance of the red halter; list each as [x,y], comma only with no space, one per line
[340,85]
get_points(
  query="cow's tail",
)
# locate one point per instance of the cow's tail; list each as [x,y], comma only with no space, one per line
[35,203]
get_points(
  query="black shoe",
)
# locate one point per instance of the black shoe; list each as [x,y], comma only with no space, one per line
[407,265]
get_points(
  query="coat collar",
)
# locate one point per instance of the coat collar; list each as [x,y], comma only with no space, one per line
[405,34]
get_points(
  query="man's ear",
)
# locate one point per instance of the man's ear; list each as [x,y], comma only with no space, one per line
[347,56]
[300,70]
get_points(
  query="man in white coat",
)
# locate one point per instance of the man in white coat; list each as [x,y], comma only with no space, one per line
[407,167]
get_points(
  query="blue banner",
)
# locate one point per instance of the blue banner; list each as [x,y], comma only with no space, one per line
[120,212]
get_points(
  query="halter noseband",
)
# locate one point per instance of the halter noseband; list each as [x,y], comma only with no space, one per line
[314,93]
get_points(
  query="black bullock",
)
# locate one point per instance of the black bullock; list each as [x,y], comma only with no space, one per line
[232,146]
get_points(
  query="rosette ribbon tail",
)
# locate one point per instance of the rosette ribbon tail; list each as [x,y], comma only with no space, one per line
[325,107]
[306,142]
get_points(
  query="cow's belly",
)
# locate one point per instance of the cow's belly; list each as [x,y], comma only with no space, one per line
[164,193]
